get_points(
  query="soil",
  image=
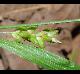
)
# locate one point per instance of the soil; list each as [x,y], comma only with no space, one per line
[13,14]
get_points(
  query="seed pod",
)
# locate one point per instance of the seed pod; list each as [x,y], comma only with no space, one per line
[52,33]
[33,39]
[55,40]
[16,36]
[40,42]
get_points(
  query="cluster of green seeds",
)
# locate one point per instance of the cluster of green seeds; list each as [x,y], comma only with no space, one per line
[37,38]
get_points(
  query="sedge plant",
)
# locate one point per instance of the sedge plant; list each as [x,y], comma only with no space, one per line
[36,52]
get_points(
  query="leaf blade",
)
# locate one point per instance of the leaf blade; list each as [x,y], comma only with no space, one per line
[36,55]
[34,25]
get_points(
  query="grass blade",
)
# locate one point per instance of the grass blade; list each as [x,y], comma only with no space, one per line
[39,23]
[38,56]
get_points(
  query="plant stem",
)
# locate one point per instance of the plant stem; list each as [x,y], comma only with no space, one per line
[40,23]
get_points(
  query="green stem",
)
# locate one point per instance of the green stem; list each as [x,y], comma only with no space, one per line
[40,23]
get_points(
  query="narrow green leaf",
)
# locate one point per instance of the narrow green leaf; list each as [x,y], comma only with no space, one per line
[38,56]
[34,25]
